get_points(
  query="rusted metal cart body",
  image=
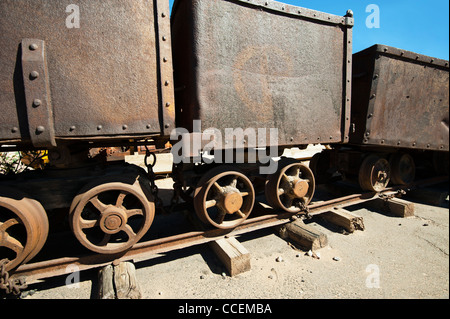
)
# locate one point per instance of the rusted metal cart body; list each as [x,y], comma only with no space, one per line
[263,64]
[400,99]
[400,114]
[97,70]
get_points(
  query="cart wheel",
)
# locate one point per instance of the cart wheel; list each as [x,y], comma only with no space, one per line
[111,217]
[23,228]
[224,198]
[291,187]
[403,169]
[374,173]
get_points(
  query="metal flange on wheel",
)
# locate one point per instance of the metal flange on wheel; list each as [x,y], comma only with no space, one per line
[291,188]
[224,198]
[112,216]
[23,227]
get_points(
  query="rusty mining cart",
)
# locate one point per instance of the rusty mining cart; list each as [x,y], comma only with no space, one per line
[400,109]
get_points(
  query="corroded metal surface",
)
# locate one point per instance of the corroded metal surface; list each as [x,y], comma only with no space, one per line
[107,77]
[374,173]
[400,99]
[23,227]
[291,188]
[112,216]
[403,168]
[263,64]
[37,93]
[224,198]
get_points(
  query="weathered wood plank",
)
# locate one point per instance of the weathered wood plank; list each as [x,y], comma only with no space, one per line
[396,206]
[125,281]
[342,217]
[304,236]
[118,281]
[401,207]
[233,255]
[106,283]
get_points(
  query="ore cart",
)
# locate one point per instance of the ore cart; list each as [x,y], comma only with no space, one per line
[400,99]
[258,64]
[400,114]
[263,64]
[97,70]
[75,77]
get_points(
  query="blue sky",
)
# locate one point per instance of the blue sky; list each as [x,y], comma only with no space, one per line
[414,25]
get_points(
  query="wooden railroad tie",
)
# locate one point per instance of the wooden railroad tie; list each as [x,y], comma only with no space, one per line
[233,255]
[303,236]
[396,206]
[118,281]
[343,218]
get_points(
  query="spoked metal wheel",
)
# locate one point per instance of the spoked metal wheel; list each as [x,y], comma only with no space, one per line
[291,188]
[374,173]
[403,169]
[111,217]
[23,229]
[224,198]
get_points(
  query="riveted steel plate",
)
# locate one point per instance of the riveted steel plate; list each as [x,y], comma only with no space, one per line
[400,99]
[37,94]
[263,64]
[104,66]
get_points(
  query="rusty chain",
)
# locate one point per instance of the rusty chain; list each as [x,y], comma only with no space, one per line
[14,286]
[152,177]
[386,198]
[304,208]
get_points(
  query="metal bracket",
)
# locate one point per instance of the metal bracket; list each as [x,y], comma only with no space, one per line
[37,94]
[165,64]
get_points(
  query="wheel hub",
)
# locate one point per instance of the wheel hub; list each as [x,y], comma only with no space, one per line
[232,202]
[112,220]
[300,188]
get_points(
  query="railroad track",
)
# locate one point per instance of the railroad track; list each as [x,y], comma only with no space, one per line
[34,272]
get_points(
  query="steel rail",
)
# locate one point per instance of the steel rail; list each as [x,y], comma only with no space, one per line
[146,250]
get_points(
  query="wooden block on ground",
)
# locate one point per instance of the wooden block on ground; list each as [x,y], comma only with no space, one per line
[232,254]
[118,282]
[125,281]
[304,236]
[106,283]
[400,207]
[341,217]
[396,206]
